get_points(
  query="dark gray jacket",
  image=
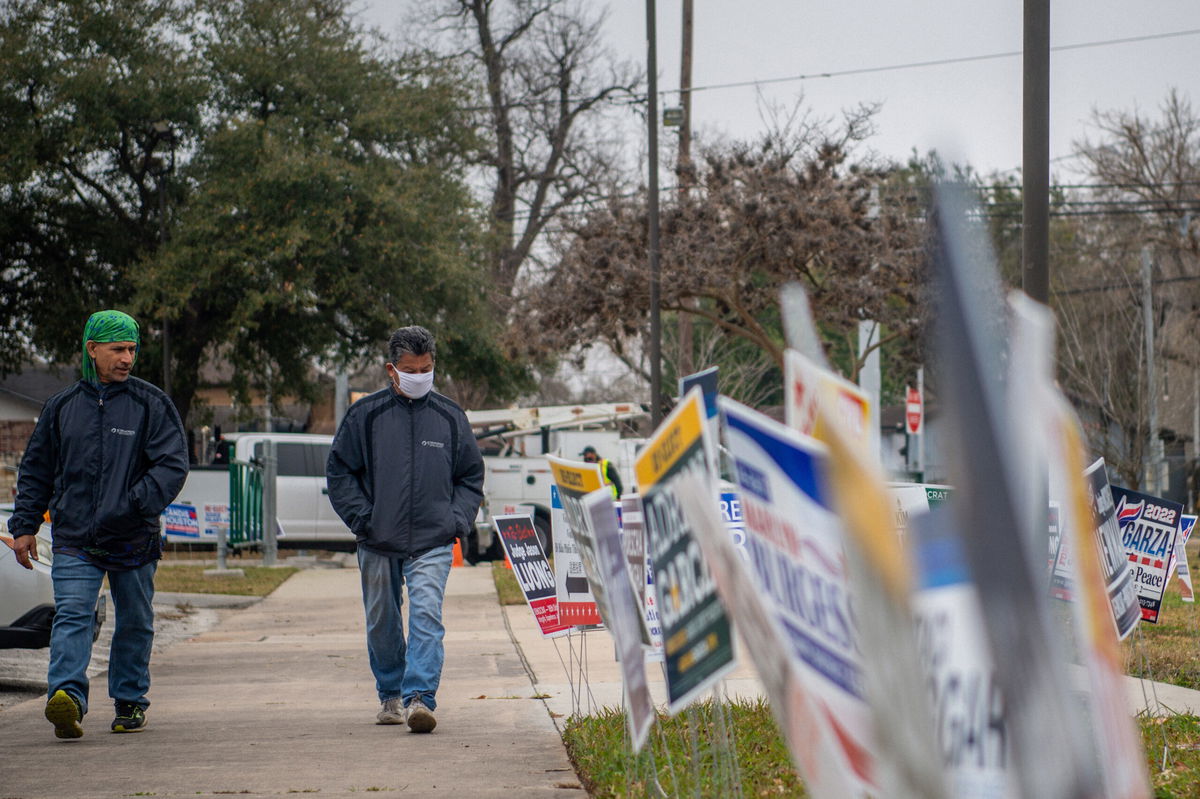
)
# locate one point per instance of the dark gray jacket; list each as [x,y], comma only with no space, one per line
[405,475]
[105,468]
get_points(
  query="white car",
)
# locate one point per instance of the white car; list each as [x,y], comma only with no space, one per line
[27,596]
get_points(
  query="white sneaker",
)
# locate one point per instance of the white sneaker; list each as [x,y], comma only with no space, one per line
[420,718]
[391,712]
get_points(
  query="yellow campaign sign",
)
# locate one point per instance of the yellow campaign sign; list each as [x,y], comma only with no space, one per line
[577,479]
[674,437]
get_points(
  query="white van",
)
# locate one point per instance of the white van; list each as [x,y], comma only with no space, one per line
[302,496]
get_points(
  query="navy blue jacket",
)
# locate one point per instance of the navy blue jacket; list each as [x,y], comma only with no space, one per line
[105,468]
[405,475]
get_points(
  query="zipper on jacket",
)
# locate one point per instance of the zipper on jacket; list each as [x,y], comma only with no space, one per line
[97,489]
[412,470]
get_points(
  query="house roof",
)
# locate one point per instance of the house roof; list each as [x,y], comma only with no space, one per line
[37,384]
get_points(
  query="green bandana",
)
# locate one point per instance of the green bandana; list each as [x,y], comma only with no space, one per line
[105,327]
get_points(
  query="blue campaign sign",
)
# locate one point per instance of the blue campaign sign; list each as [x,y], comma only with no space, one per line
[798,465]
[707,380]
[180,519]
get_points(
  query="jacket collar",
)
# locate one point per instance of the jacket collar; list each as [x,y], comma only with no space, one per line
[109,389]
[409,402]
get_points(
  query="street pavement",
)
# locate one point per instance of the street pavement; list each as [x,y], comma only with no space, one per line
[278,698]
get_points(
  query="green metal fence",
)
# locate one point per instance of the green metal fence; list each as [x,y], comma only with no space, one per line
[245,504]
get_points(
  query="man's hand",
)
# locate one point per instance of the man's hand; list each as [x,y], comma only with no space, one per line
[26,547]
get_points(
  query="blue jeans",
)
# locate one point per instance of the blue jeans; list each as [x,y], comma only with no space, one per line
[409,670]
[76,588]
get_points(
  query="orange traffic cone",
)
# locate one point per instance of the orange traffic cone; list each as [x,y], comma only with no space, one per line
[458,558]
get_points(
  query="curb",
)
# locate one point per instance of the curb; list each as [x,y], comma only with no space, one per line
[226,601]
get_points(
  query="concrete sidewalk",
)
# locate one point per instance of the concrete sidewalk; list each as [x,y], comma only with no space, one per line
[278,698]
[579,674]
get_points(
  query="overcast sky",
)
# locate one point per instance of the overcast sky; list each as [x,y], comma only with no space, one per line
[971,111]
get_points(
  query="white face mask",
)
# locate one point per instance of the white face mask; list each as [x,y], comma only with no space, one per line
[413,386]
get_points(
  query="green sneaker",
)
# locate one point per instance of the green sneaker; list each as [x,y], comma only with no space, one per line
[130,718]
[65,714]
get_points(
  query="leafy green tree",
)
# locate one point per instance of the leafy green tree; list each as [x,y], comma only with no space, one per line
[82,84]
[316,202]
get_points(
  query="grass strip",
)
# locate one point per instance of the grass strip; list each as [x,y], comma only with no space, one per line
[507,587]
[599,747]
[678,754]
[190,579]
[1168,651]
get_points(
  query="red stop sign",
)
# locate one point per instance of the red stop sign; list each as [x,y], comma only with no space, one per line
[914,413]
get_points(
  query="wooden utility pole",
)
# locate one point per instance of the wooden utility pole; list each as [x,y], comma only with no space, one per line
[1035,160]
[652,128]
[683,170]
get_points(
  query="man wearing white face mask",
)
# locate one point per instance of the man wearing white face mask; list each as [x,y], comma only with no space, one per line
[406,477]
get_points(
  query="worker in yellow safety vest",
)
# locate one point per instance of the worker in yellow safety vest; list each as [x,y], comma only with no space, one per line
[607,471]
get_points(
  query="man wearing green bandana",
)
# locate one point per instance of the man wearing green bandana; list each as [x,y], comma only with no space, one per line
[107,455]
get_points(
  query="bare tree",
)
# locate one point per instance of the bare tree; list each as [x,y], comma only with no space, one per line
[792,206]
[546,84]
[1101,358]
[1144,193]
[1151,167]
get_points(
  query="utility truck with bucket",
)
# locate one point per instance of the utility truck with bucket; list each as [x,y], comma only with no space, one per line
[517,478]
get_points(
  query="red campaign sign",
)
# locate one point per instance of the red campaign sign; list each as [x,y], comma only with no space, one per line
[578,613]
[546,612]
[914,415]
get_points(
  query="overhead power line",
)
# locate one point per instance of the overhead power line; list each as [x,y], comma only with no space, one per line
[921,195]
[631,98]
[1123,286]
[937,62]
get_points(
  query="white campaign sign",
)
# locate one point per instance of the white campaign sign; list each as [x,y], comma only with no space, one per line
[794,540]
[622,612]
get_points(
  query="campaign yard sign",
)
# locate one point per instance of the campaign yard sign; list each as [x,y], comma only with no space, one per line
[1149,526]
[731,512]
[816,398]
[909,499]
[180,520]
[795,548]
[637,567]
[576,605]
[623,614]
[1053,533]
[1118,574]
[697,636]
[532,570]
[575,481]
[707,381]
[967,702]
[1187,523]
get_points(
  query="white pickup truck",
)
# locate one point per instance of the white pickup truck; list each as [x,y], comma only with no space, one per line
[302,499]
